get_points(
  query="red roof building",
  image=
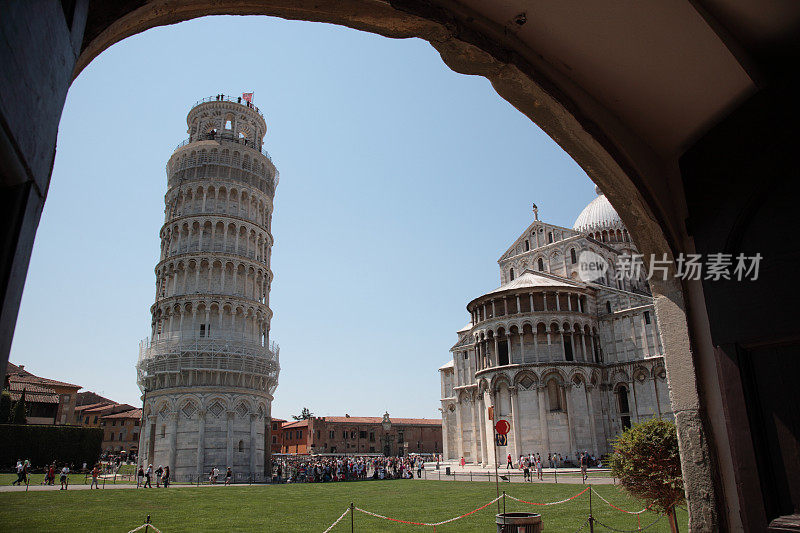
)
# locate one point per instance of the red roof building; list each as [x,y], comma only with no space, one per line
[363,435]
[48,401]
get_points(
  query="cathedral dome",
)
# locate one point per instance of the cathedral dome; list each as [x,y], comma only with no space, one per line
[598,215]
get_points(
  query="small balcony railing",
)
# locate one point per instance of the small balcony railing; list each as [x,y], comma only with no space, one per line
[217,344]
[225,137]
[227,98]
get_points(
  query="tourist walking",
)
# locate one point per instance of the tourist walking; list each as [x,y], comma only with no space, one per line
[20,473]
[166,476]
[509,463]
[583,466]
[539,473]
[50,476]
[95,473]
[159,473]
[148,474]
[64,478]
[228,476]
[139,476]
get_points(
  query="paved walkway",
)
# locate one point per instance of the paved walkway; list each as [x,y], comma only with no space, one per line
[57,487]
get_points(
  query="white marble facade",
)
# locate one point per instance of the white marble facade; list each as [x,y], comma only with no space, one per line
[568,363]
[208,371]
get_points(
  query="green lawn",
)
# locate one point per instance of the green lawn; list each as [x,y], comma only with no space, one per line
[74,479]
[308,507]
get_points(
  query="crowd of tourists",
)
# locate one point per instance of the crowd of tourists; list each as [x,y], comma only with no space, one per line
[145,476]
[321,469]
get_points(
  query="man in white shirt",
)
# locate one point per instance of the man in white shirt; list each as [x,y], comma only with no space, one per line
[64,478]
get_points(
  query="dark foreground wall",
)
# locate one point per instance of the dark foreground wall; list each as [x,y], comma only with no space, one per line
[43,445]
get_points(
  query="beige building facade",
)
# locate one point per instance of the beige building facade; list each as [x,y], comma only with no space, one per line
[208,371]
[570,356]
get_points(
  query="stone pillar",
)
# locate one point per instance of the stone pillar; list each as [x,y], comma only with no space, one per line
[445,434]
[201,441]
[481,407]
[522,357]
[489,397]
[632,404]
[173,447]
[558,303]
[253,442]
[531,297]
[475,431]
[584,354]
[592,427]
[496,354]
[515,427]
[543,419]
[549,347]
[459,431]
[568,394]
[655,390]
[229,440]
[645,344]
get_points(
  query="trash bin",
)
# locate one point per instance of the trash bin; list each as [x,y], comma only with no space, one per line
[519,523]
[447,470]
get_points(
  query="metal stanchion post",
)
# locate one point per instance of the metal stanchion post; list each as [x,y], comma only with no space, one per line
[591,519]
[147,524]
[352,518]
[504,511]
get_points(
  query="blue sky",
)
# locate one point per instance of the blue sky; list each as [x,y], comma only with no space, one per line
[402,183]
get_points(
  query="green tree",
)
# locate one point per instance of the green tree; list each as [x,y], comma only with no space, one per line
[647,463]
[5,407]
[19,416]
[305,414]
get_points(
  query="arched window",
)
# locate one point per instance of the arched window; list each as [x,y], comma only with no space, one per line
[550,237]
[241,445]
[608,307]
[554,396]
[527,245]
[573,256]
[540,264]
[511,274]
[624,409]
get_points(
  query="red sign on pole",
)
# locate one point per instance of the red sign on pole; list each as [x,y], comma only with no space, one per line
[502,427]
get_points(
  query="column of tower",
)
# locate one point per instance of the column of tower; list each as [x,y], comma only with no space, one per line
[209,370]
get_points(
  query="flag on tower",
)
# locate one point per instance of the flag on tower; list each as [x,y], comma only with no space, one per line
[248,97]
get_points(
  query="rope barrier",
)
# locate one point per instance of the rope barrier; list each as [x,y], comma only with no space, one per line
[151,526]
[428,524]
[548,503]
[648,526]
[619,508]
[337,520]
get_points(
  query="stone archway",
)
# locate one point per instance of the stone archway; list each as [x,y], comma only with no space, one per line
[636,166]
[518,81]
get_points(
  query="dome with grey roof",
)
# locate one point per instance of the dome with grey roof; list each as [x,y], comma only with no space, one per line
[598,215]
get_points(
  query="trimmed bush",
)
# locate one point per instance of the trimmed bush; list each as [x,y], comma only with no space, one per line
[648,466]
[45,444]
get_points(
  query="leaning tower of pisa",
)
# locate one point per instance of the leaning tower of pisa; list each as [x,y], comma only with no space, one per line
[208,371]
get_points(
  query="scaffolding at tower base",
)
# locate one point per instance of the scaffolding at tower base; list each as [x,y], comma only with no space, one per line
[232,354]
